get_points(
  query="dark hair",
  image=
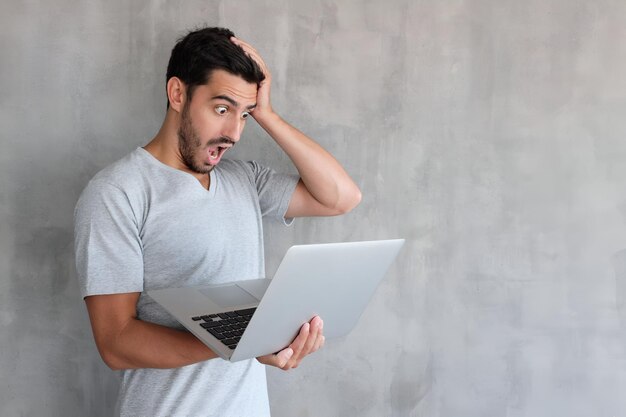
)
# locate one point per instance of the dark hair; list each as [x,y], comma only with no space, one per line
[196,55]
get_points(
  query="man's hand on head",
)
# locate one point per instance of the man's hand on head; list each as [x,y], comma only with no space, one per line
[325,188]
[309,340]
[264,106]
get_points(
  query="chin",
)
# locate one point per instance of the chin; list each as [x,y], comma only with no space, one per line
[200,168]
[205,169]
[208,167]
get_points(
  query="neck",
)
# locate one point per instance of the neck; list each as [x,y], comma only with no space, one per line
[164,147]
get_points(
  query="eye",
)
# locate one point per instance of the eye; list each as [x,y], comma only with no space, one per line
[245,115]
[221,109]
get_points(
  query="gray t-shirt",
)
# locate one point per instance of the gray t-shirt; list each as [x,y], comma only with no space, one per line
[142,225]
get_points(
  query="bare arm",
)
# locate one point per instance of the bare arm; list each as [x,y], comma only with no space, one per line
[124,342]
[325,188]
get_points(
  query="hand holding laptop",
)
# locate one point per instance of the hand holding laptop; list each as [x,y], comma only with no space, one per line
[309,339]
[249,318]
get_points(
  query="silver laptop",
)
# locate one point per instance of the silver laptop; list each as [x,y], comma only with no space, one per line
[247,319]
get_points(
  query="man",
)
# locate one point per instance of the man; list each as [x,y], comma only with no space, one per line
[174,213]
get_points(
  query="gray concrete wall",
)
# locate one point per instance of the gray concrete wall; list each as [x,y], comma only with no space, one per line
[490,134]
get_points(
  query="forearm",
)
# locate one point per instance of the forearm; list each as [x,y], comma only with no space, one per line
[147,345]
[320,172]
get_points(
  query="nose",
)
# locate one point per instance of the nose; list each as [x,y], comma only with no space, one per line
[233,129]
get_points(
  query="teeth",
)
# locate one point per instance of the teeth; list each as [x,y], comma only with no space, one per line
[214,154]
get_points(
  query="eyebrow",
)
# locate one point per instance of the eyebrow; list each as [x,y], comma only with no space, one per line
[231,101]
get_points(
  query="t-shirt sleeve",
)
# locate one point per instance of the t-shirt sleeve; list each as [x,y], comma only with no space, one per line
[109,256]
[275,191]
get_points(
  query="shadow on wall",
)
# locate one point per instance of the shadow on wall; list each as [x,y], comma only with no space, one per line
[51,347]
[619,265]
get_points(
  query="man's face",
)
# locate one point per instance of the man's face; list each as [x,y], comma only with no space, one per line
[212,121]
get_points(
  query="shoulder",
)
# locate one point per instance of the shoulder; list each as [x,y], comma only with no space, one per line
[237,169]
[118,181]
[252,169]
[235,166]
[124,172]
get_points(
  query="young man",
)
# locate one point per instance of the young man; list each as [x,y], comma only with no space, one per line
[175,213]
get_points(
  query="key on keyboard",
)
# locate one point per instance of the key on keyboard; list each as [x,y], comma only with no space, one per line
[226,327]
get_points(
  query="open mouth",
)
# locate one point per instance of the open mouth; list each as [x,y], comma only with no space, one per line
[215,154]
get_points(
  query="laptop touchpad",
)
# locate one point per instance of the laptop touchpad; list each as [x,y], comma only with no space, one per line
[228,296]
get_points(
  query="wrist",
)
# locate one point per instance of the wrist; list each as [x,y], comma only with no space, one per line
[266,117]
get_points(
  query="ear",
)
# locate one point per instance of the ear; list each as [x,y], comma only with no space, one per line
[176,93]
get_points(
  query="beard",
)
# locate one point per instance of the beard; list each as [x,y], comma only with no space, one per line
[190,144]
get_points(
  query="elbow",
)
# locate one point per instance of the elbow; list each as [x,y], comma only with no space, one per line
[111,360]
[115,365]
[352,200]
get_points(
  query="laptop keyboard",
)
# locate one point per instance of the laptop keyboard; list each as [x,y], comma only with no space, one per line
[227,327]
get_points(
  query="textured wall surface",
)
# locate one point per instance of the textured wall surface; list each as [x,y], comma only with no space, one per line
[490,134]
